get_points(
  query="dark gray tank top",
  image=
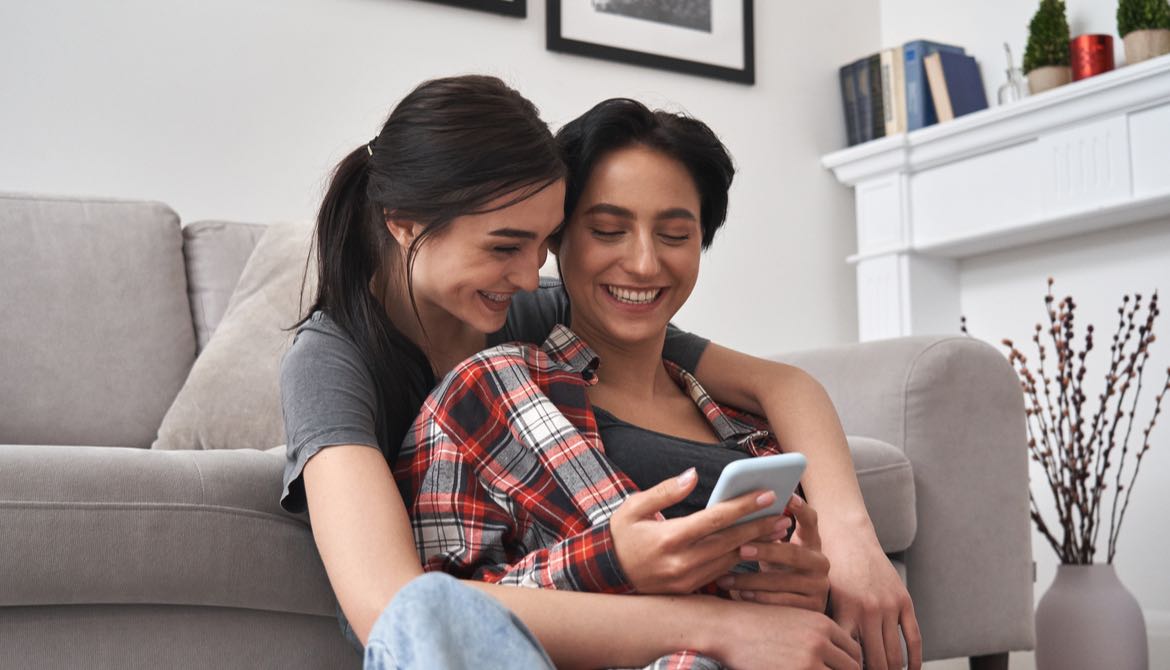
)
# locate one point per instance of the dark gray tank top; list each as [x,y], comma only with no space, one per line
[648,458]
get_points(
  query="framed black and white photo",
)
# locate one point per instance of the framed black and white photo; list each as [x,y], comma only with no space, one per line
[507,7]
[709,38]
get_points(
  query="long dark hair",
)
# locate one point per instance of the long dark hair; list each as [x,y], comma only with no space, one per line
[448,149]
[620,122]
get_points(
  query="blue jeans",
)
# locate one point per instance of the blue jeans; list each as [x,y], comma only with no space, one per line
[436,622]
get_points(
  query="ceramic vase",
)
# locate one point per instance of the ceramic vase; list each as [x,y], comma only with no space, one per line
[1088,621]
[1049,76]
[1143,45]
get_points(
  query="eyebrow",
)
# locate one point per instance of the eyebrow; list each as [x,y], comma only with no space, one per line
[514,233]
[622,212]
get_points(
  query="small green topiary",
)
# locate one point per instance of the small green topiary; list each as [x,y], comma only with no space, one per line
[1047,36]
[1142,15]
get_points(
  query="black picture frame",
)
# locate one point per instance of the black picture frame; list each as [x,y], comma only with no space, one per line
[516,8]
[747,75]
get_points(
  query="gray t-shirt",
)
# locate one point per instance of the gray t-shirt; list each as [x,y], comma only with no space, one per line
[327,391]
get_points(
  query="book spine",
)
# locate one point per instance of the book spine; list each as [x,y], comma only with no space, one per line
[888,112]
[874,63]
[915,111]
[939,94]
[864,100]
[849,102]
[899,90]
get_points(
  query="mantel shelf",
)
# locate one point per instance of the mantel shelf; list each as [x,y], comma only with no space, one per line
[1130,88]
[1087,156]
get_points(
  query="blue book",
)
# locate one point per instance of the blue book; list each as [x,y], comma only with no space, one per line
[920,111]
[955,85]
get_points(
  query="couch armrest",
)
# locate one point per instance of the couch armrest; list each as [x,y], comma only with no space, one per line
[110,525]
[954,406]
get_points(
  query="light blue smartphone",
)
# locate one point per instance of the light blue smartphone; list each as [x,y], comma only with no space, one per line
[779,473]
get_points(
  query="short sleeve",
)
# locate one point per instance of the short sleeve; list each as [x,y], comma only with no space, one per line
[683,349]
[533,314]
[328,398]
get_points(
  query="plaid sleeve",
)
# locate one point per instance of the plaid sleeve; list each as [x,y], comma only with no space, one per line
[586,561]
[462,528]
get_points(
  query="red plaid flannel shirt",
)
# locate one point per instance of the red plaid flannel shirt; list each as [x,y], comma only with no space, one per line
[505,477]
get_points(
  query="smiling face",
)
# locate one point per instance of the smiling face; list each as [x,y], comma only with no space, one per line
[629,255]
[469,271]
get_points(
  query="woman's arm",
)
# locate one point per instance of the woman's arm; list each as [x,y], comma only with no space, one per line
[361,529]
[803,419]
[365,541]
[866,592]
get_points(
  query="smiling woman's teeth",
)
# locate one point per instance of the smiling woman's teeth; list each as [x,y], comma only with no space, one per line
[633,297]
[496,297]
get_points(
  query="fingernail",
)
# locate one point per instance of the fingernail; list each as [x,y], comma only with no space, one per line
[747,595]
[725,582]
[686,478]
[747,551]
[765,499]
[783,523]
[796,503]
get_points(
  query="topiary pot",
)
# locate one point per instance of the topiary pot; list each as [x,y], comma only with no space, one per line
[1143,45]
[1049,76]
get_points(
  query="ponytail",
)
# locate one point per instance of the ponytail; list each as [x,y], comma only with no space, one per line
[351,242]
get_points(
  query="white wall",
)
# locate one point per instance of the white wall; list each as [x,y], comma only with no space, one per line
[1001,293]
[237,110]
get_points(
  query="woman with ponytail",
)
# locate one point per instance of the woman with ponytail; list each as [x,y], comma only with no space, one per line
[428,245]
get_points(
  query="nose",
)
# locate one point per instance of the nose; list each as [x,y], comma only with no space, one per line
[524,272]
[642,256]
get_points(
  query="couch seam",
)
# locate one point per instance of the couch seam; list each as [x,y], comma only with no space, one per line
[152,603]
[885,468]
[235,511]
[199,471]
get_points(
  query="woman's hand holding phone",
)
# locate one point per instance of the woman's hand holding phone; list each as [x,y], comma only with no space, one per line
[794,574]
[680,555]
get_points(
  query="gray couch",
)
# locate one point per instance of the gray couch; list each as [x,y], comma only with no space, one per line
[117,555]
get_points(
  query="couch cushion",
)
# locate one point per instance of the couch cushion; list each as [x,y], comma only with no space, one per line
[117,525]
[96,333]
[231,399]
[216,252]
[887,485]
[121,637]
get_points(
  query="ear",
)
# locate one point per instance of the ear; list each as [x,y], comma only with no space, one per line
[404,231]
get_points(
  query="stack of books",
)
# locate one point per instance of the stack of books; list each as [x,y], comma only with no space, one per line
[909,87]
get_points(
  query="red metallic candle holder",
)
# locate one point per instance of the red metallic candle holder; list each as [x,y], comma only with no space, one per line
[1090,55]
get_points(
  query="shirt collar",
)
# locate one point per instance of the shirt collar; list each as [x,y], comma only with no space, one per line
[726,426]
[570,353]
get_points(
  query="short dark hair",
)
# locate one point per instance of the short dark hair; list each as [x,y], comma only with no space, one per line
[620,122]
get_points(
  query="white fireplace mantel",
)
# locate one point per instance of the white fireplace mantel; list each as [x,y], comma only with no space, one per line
[1086,156]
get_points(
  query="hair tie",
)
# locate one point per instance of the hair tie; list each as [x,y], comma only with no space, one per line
[370,145]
